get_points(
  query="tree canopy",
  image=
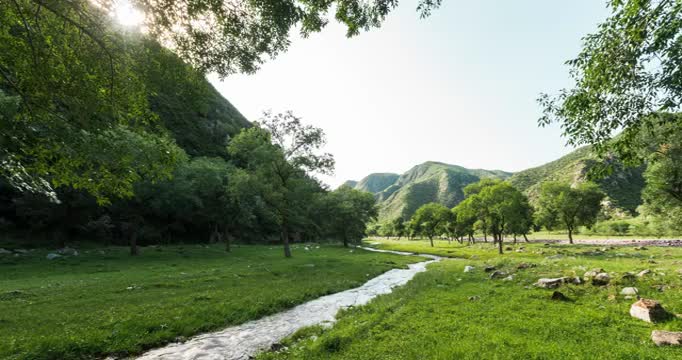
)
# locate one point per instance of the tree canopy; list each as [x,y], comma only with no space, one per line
[563,206]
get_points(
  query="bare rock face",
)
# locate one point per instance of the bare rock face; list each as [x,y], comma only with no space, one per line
[662,338]
[649,311]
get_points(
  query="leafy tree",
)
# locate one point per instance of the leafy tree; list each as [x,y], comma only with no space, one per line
[465,214]
[625,73]
[568,207]
[348,212]
[431,220]
[399,228]
[281,153]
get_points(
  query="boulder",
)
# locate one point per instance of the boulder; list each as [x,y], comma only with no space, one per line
[557,296]
[469,268]
[644,273]
[661,338]
[601,279]
[550,283]
[52,256]
[631,291]
[649,311]
[498,274]
[592,273]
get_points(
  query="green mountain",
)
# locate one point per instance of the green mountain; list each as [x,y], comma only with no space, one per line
[402,195]
[623,187]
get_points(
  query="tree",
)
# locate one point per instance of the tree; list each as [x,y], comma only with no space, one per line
[625,73]
[348,212]
[281,153]
[559,204]
[399,228]
[431,219]
[503,203]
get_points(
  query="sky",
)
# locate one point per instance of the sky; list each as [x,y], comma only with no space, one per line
[459,87]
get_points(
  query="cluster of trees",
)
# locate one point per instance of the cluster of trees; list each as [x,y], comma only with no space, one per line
[494,207]
[262,191]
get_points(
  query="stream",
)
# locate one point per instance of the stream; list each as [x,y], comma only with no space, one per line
[243,341]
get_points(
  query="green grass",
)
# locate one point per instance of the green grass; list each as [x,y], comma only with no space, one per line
[106,302]
[432,317]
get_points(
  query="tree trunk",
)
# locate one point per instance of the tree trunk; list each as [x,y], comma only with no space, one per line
[133,241]
[570,235]
[485,236]
[525,237]
[514,239]
[431,239]
[345,239]
[499,245]
[285,241]
[228,241]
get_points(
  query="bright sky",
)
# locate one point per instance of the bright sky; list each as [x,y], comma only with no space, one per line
[458,87]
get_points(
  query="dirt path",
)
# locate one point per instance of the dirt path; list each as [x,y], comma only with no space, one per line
[617,242]
[243,341]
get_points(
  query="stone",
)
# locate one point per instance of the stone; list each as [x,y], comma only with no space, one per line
[508,248]
[549,283]
[662,338]
[474,298]
[644,273]
[489,268]
[67,251]
[649,311]
[629,291]
[592,273]
[508,278]
[520,250]
[575,280]
[628,297]
[52,256]
[601,279]
[522,266]
[557,296]
[4,251]
[498,274]
[469,268]
[628,276]
[21,251]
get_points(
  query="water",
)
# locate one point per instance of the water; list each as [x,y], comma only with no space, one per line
[245,340]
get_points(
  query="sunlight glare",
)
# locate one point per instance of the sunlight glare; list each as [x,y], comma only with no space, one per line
[126,15]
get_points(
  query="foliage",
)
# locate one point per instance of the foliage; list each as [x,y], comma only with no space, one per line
[103,302]
[347,211]
[431,220]
[627,71]
[563,206]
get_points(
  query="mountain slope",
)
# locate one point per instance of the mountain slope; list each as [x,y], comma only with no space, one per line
[623,187]
[424,183]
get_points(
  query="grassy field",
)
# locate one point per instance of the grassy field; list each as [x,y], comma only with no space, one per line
[445,313]
[105,302]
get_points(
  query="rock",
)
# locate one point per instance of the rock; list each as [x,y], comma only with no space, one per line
[489,268]
[4,251]
[557,296]
[508,248]
[498,274]
[575,280]
[21,251]
[508,278]
[601,279]
[628,297]
[592,273]
[628,276]
[67,251]
[522,266]
[469,268]
[661,338]
[520,250]
[474,298]
[629,291]
[52,256]
[649,311]
[549,283]
[644,273]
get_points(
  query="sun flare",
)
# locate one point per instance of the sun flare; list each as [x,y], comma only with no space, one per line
[127,15]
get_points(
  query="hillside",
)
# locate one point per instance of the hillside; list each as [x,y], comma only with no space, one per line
[200,119]
[424,183]
[623,187]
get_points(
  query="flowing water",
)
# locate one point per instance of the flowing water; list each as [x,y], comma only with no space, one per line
[245,340]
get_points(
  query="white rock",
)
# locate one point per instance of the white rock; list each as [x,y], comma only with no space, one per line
[469,268]
[661,338]
[649,311]
[644,273]
[4,251]
[52,256]
[629,291]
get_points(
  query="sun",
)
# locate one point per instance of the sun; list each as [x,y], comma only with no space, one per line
[127,15]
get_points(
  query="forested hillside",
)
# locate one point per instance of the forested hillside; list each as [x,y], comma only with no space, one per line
[424,183]
[623,187]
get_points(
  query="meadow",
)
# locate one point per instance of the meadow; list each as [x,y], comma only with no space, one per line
[105,302]
[446,313]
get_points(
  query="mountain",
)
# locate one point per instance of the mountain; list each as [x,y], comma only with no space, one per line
[402,195]
[199,118]
[623,187]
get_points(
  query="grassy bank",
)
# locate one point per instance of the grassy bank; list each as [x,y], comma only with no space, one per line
[445,313]
[105,302]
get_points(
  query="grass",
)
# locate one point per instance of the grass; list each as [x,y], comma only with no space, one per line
[445,313]
[105,302]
